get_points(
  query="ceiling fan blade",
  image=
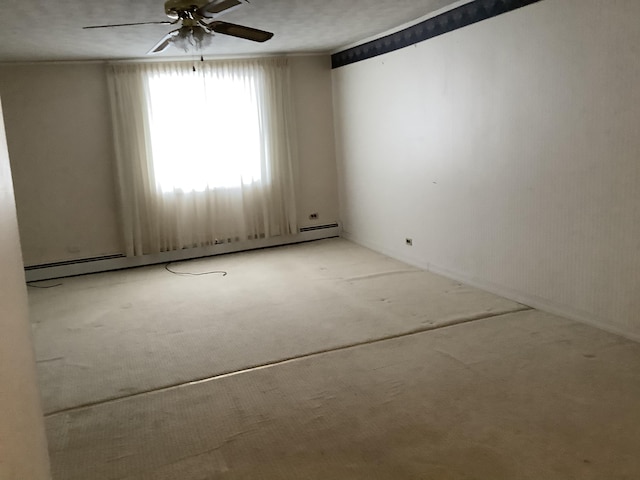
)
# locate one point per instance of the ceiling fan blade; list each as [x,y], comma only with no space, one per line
[130,24]
[240,31]
[217,7]
[164,43]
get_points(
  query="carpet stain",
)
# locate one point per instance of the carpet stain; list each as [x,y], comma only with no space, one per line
[48,360]
[382,274]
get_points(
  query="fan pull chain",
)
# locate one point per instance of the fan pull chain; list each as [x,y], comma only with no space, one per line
[194,65]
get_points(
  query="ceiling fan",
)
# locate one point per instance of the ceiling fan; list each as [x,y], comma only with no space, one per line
[194,31]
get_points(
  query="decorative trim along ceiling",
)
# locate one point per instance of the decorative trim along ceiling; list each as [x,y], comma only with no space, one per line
[459,17]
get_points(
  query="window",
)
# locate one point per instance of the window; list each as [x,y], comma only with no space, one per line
[202,155]
[205,132]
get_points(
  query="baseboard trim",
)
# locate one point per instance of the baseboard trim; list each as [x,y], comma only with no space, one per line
[117,262]
[533,301]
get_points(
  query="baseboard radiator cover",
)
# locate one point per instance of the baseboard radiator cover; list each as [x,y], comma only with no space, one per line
[50,271]
[78,261]
[314,228]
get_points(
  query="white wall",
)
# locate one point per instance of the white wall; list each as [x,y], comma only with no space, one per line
[59,135]
[23,451]
[509,152]
[317,176]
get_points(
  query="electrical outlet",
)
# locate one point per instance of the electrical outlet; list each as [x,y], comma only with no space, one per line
[313,216]
[409,241]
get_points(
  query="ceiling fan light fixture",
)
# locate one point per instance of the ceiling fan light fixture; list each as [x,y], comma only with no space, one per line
[192,37]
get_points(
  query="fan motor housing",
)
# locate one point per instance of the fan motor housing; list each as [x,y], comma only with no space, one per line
[173,7]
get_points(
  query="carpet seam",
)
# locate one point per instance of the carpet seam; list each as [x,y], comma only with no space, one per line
[415,331]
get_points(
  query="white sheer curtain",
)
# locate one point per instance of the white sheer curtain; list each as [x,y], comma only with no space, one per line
[202,156]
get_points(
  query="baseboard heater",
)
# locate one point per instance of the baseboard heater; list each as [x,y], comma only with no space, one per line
[105,263]
[318,227]
[74,262]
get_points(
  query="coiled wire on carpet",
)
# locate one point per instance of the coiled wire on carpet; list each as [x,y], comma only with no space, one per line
[190,274]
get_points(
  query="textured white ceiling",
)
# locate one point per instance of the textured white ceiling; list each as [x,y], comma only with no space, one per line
[38,30]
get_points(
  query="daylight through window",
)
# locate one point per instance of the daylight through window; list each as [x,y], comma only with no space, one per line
[205,131]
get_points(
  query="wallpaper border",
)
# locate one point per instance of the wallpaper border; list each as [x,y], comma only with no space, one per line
[446,22]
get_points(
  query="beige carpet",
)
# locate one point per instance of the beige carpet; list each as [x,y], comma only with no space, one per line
[519,396]
[115,334]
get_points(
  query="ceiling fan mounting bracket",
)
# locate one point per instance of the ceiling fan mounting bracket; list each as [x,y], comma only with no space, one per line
[182,8]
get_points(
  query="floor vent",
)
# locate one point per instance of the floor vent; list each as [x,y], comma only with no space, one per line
[318,227]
